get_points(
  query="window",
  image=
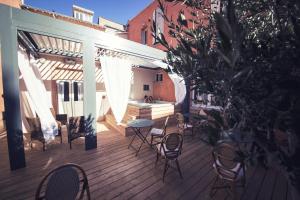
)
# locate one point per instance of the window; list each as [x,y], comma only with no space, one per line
[144,36]
[78,91]
[159,23]
[159,77]
[199,100]
[146,88]
[215,6]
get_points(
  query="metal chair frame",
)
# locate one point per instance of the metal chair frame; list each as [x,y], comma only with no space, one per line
[183,126]
[228,176]
[153,137]
[171,152]
[84,180]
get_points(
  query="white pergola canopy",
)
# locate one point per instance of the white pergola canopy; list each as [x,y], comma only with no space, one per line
[55,36]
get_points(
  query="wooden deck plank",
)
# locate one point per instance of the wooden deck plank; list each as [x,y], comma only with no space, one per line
[153,177]
[268,185]
[280,188]
[114,172]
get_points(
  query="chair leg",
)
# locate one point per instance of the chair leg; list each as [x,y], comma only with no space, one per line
[61,138]
[44,146]
[70,142]
[157,156]
[151,144]
[213,190]
[165,169]
[178,168]
[233,190]
[30,144]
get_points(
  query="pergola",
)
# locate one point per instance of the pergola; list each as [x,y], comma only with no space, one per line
[55,37]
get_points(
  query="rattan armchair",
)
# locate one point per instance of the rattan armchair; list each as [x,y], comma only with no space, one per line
[36,133]
[75,129]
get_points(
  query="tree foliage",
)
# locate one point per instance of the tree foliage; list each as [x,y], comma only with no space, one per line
[248,57]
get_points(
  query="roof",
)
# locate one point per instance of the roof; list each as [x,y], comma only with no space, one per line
[75,7]
[63,17]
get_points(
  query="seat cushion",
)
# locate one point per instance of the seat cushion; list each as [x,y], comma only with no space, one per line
[156,132]
[228,174]
[188,126]
[161,150]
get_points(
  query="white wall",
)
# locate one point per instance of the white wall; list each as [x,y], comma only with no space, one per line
[140,78]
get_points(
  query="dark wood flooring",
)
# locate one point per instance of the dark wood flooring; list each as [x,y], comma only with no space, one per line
[114,172]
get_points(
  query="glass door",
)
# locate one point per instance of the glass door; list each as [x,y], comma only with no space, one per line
[70,97]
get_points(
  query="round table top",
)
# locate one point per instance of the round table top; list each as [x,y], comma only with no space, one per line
[140,123]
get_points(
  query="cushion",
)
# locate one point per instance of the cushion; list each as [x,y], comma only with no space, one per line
[156,131]
[34,124]
[188,126]
[161,150]
[229,173]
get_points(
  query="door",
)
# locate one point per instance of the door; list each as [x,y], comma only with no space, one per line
[70,98]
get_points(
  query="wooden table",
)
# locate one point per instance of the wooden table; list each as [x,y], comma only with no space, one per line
[137,126]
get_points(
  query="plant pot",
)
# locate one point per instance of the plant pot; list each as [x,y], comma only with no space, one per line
[294,189]
[90,142]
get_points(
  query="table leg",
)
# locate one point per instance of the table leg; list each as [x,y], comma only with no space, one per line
[133,137]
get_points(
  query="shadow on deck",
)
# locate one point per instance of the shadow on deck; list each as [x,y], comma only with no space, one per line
[114,172]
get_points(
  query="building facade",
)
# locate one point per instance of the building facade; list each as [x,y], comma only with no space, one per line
[139,29]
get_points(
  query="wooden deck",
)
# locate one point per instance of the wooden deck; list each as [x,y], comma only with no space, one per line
[114,172]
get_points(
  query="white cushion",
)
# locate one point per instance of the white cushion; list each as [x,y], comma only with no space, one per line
[156,131]
[161,150]
[188,126]
[230,173]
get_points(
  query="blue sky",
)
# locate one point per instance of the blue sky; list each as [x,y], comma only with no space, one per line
[117,10]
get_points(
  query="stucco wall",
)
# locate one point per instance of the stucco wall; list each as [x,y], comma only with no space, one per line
[164,90]
[140,78]
[143,20]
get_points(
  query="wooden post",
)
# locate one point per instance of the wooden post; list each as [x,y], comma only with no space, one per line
[10,72]
[89,91]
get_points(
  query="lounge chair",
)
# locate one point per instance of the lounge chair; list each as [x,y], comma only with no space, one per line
[75,129]
[36,131]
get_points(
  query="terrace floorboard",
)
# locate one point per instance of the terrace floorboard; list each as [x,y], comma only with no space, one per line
[114,172]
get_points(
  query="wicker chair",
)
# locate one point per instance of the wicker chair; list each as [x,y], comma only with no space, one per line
[183,126]
[63,183]
[170,149]
[158,133]
[36,131]
[230,171]
[75,129]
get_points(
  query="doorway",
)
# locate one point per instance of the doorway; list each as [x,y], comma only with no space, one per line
[70,97]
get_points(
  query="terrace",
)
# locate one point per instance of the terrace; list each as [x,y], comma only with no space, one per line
[67,54]
[114,172]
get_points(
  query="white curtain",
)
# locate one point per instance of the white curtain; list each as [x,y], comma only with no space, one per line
[180,87]
[38,95]
[117,74]
[179,83]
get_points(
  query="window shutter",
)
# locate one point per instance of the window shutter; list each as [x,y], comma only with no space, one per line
[66,91]
[75,86]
